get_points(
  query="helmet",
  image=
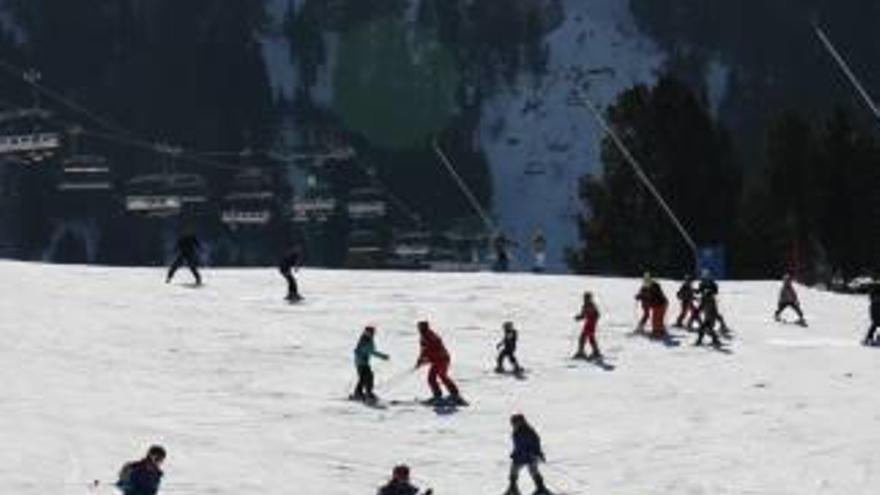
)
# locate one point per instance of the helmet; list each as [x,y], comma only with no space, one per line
[508,325]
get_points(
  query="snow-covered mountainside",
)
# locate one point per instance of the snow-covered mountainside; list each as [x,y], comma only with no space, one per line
[537,142]
[247,393]
[540,142]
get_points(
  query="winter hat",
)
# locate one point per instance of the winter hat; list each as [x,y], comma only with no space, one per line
[508,325]
[401,471]
[156,451]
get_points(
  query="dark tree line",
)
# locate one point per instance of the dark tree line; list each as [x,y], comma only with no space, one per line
[810,208]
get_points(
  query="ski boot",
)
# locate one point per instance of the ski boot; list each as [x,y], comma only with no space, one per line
[512,490]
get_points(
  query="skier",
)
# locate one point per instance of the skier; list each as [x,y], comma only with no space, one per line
[687,297]
[652,295]
[507,346]
[434,353]
[788,299]
[289,263]
[709,308]
[142,477]
[539,248]
[187,248]
[644,300]
[590,316]
[365,349]
[708,287]
[502,257]
[874,294]
[399,483]
[526,453]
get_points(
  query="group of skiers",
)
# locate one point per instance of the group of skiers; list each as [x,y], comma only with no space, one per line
[433,353]
[188,250]
[501,245]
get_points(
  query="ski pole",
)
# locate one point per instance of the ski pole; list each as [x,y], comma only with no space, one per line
[391,382]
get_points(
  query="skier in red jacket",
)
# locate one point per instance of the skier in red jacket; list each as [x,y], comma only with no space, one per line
[434,353]
[590,316]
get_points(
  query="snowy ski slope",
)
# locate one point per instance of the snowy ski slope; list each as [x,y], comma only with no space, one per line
[247,392]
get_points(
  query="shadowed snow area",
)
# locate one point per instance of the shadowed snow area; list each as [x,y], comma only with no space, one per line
[247,393]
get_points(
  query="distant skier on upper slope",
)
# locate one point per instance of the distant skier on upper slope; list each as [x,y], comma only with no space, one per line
[187,248]
[289,263]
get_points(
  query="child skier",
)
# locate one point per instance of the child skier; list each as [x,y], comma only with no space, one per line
[144,476]
[364,350]
[589,314]
[874,295]
[788,299]
[526,453]
[434,353]
[399,483]
[507,348]
[687,299]
[709,308]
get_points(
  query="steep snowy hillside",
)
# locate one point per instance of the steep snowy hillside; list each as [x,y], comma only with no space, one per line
[538,145]
[540,142]
[247,393]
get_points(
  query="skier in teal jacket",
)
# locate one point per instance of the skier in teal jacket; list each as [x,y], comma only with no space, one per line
[364,350]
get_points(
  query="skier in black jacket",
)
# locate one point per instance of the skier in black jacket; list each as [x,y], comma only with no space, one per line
[289,264]
[507,348]
[143,477]
[526,453]
[687,298]
[399,483]
[874,295]
[187,248]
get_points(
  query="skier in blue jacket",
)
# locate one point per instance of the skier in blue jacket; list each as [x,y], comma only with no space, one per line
[143,477]
[364,350]
[526,453]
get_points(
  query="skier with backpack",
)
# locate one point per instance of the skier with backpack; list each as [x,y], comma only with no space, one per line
[289,263]
[144,476]
[187,248]
[589,314]
[365,349]
[399,483]
[527,453]
[874,296]
[788,299]
[434,354]
[654,303]
[507,348]
[643,297]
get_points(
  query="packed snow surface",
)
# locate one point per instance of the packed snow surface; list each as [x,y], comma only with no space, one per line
[247,393]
